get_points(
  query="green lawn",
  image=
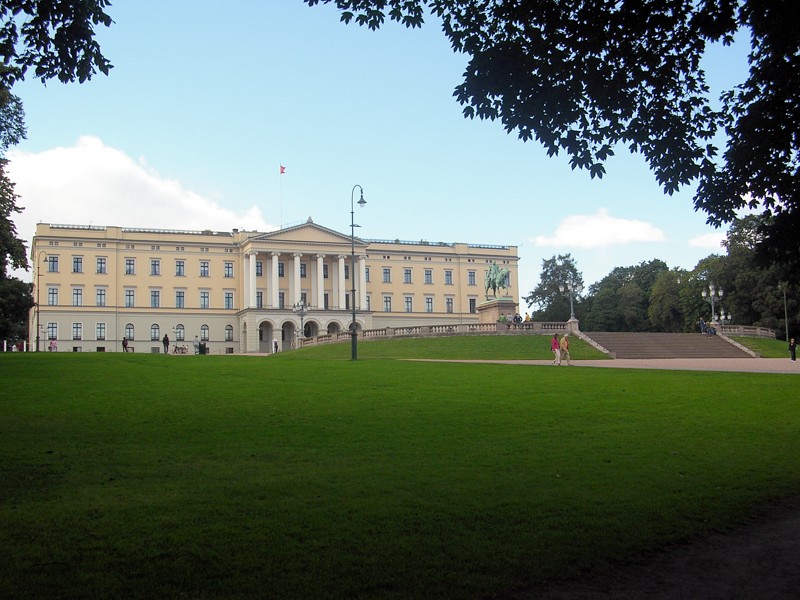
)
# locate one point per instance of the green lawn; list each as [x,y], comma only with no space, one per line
[766,348]
[308,476]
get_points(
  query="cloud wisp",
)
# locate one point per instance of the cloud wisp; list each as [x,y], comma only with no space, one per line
[599,230]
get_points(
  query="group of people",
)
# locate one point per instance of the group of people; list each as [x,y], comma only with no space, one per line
[706,329]
[560,349]
[513,319]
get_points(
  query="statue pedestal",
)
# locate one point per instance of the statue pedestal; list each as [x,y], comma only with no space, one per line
[490,311]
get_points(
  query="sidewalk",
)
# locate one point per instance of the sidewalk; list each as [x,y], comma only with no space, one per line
[733,365]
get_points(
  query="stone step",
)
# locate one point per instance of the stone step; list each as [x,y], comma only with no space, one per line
[666,345]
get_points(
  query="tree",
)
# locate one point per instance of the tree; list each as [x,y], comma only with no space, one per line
[620,300]
[664,311]
[551,302]
[587,76]
[12,130]
[55,37]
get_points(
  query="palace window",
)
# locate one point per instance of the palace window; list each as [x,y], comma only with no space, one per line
[102,265]
[228,269]
[180,268]
[409,304]
[77,297]
[448,304]
[130,266]
[180,299]
[428,276]
[205,300]
[204,333]
[471,278]
[229,333]
[100,331]
[77,331]
[77,264]
[259,268]
[52,296]
[52,331]
[130,298]
[180,333]
[387,275]
[100,297]
[429,304]
[155,332]
[407,277]
[387,304]
[448,277]
[204,269]
[229,300]
[129,331]
[155,267]
[52,264]
[155,298]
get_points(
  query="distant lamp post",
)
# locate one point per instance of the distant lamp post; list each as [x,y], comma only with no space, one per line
[570,290]
[782,285]
[724,318]
[301,309]
[361,203]
[38,288]
[713,295]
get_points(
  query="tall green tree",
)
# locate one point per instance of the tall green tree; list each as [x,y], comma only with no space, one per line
[589,76]
[550,302]
[665,312]
[620,300]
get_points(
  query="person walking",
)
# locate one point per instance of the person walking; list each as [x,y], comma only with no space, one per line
[124,344]
[793,350]
[165,341]
[564,344]
[555,348]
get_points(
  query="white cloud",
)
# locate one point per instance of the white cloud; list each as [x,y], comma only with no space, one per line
[711,241]
[93,184]
[599,230]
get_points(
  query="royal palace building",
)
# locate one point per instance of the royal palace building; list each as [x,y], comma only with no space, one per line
[243,291]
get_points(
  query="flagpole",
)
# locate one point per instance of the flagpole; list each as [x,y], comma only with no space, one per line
[280,191]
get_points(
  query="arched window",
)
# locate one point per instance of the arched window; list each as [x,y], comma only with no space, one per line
[229,333]
[155,332]
[180,333]
[204,333]
[129,331]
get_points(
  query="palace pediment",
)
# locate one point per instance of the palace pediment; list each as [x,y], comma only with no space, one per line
[305,234]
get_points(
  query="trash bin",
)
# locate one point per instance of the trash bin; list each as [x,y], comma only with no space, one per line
[203,349]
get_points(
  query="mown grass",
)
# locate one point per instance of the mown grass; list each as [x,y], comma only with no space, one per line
[510,347]
[294,476]
[765,348]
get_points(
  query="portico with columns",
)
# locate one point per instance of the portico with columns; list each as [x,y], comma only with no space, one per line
[306,265]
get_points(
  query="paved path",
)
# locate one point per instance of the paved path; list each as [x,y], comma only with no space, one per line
[743,365]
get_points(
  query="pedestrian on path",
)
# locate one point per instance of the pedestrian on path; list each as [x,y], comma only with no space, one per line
[564,345]
[555,348]
[793,349]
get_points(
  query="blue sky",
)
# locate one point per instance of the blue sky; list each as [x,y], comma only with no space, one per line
[204,104]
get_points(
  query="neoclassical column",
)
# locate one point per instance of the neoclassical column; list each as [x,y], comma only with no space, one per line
[252,283]
[274,286]
[246,281]
[320,282]
[342,283]
[296,278]
[362,282]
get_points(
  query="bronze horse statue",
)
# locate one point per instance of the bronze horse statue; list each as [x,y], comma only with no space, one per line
[495,279]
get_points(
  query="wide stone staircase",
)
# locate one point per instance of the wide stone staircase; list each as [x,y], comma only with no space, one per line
[666,345]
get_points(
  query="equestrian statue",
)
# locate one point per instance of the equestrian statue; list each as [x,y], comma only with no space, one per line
[495,279]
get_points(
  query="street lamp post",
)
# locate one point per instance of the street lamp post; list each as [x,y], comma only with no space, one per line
[361,203]
[570,290]
[713,294]
[301,309]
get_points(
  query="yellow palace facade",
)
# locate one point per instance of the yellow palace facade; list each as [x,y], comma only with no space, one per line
[244,291]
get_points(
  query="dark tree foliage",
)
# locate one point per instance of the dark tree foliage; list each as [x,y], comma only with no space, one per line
[16,302]
[53,37]
[12,130]
[585,76]
[621,300]
[551,303]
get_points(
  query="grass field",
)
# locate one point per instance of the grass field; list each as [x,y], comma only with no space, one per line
[306,475]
